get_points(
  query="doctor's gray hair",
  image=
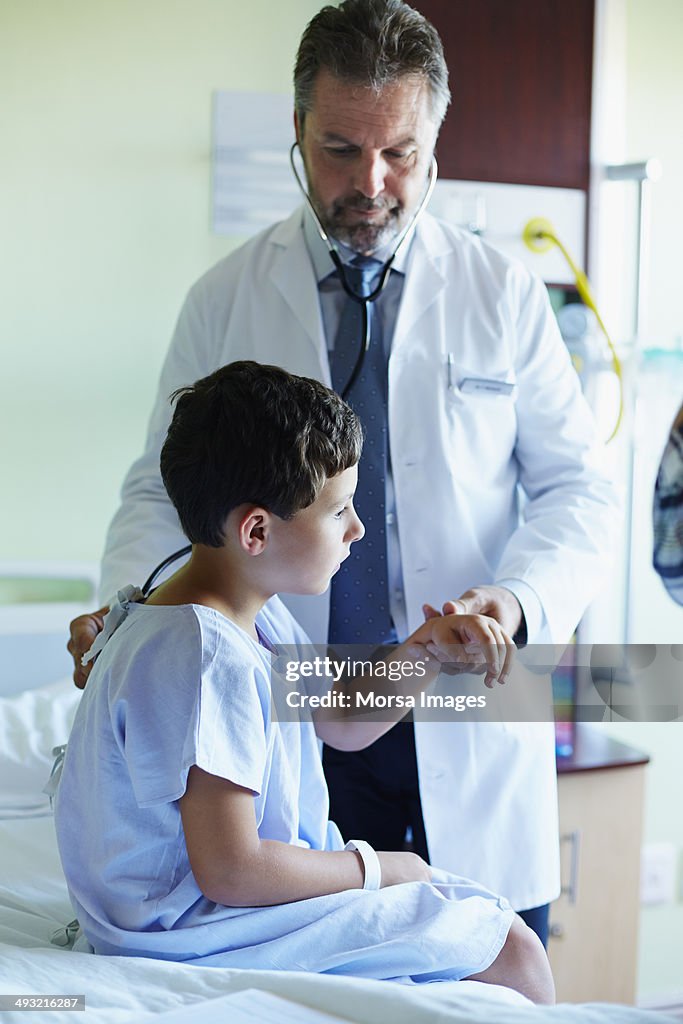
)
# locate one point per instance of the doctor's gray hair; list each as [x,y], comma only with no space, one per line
[373,43]
[253,434]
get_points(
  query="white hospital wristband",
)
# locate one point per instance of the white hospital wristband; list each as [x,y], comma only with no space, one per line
[371,864]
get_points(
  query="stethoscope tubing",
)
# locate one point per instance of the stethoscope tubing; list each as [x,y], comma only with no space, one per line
[362,300]
[149,582]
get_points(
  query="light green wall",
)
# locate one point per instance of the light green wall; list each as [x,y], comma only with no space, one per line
[104,214]
[654,127]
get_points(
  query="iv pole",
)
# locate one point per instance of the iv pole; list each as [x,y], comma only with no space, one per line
[643,174]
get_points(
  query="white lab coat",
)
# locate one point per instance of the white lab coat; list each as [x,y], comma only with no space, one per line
[488,790]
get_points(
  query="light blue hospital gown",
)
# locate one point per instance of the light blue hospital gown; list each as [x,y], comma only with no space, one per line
[181,686]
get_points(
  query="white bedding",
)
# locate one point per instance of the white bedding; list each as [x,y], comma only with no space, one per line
[31,725]
[34,903]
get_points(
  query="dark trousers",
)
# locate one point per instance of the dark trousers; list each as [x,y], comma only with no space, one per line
[537,919]
[375,795]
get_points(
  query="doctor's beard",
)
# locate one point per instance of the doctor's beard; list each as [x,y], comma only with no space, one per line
[341,220]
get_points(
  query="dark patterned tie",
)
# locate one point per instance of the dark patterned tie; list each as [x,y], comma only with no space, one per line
[359,603]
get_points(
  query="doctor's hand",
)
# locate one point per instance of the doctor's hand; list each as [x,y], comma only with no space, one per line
[466,643]
[83,631]
[497,602]
[402,866]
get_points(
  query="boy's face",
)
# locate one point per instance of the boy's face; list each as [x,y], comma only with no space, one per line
[309,548]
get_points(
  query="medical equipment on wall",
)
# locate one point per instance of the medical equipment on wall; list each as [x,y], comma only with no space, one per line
[539,235]
[363,300]
[579,327]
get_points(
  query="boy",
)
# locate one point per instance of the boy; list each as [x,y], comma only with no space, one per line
[201,820]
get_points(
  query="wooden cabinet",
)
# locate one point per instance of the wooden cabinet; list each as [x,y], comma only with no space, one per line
[521,80]
[593,945]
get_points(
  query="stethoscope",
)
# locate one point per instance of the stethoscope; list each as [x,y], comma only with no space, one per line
[362,300]
[147,586]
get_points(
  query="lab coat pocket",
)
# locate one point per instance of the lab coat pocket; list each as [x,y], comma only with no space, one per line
[481,408]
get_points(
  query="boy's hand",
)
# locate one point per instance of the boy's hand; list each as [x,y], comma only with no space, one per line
[470,642]
[401,866]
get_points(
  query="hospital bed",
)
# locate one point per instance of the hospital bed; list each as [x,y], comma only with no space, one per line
[37,704]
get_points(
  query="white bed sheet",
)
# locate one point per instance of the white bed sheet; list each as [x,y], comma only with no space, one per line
[34,902]
[32,723]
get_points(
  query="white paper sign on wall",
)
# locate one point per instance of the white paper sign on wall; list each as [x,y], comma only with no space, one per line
[252,182]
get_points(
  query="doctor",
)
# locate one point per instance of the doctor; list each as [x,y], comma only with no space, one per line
[480,401]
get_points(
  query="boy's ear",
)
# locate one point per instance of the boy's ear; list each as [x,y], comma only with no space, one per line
[253,530]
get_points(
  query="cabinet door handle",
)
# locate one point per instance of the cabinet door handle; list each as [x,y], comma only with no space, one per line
[571,889]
